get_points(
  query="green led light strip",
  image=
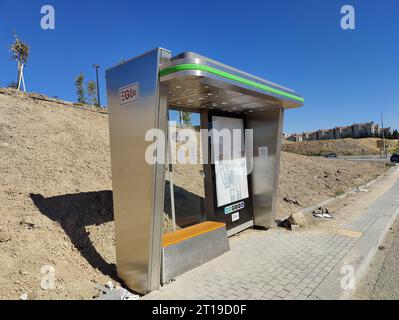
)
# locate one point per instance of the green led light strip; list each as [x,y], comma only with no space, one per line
[191,66]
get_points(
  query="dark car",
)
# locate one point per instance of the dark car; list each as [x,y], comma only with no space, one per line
[331,155]
[395,158]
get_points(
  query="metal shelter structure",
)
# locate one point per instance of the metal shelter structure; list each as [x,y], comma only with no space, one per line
[140,93]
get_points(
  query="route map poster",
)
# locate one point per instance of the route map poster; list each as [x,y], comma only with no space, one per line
[230,169]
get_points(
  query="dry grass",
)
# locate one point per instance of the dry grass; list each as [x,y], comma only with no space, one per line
[343,147]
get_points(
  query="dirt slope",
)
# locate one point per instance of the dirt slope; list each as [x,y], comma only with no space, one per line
[344,147]
[311,180]
[54,170]
[56,200]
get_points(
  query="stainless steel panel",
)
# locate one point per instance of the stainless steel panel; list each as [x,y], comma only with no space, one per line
[267,132]
[198,77]
[161,122]
[193,252]
[210,94]
[209,187]
[194,58]
[137,185]
[217,79]
[240,228]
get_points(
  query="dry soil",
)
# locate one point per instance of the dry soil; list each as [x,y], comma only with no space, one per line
[56,199]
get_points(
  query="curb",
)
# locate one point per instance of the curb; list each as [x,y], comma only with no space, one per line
[361,254]
[362,269]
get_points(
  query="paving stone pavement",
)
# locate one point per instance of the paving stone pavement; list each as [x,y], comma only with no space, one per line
[279,264]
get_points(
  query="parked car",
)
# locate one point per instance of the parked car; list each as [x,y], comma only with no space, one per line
[395,158]
[331,155]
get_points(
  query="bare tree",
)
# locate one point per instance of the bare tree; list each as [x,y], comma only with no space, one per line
[20,53]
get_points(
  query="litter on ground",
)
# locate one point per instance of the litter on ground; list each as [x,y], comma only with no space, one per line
[322,213]
[111,293]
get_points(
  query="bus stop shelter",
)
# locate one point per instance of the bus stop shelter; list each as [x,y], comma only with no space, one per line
[141,92]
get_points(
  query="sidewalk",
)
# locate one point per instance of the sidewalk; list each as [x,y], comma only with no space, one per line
[307,264]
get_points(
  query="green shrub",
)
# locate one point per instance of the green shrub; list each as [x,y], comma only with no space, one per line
[339,193]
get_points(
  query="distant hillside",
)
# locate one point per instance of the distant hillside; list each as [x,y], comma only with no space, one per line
[343,147]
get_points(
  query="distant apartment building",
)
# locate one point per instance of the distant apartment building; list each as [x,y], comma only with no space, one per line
[387,132]
[327,134]
[364,130]
[294,137]
[343,132]
[356,131]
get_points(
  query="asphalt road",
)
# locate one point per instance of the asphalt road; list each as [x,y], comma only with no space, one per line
[364,158]
[382,278]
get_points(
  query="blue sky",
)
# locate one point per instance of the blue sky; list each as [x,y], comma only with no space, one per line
[345,76]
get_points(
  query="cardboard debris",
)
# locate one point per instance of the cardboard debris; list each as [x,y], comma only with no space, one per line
[110,285]
[292,201]
[322,213]
[23,296]
[117,293]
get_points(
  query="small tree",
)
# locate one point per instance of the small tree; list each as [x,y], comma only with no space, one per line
[186,118]
[20,53]
[92,93]
[80,91]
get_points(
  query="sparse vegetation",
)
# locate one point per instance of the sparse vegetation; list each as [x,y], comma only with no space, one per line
[395,149]
[92,93]
[339,193]
[186,118]
[20,53]
[342,147]
[89,96]
[80,91]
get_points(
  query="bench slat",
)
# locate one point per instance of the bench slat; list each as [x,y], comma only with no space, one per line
[190,232]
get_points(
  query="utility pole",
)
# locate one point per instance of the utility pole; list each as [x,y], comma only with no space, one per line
[97,66]
[383,138]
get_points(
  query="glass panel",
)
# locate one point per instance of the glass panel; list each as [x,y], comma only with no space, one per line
[230,161]
[184,181]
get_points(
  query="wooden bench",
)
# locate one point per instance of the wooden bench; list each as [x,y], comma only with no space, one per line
[190,247]
[190,232]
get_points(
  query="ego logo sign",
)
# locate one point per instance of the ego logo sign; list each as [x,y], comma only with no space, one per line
[129,93]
